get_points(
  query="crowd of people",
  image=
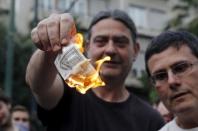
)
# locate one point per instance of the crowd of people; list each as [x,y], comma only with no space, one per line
[15,117]
[171,61]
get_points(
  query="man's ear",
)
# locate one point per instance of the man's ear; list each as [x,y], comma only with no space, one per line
[136,49]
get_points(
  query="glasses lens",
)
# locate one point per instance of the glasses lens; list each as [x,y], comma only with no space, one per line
[178,69]
[181,68]
[160,76]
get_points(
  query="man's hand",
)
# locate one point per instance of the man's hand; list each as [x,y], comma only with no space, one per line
[54,32]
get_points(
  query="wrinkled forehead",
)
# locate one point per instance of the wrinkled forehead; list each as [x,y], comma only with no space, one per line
[110,27]
[168,57]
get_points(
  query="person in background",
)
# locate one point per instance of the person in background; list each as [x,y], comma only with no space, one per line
[108,108]
[20,117]
[172,64]
[5,115]
[166,114]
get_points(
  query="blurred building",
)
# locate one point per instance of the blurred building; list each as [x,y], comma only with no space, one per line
[150,16]
[4,10]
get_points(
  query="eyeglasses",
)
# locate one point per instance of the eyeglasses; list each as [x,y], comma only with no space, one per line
[179,69]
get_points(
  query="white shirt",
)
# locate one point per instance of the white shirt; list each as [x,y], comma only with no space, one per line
[172,126]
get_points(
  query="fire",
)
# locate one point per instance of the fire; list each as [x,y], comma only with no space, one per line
[84,76]
[101,61]
[78,40]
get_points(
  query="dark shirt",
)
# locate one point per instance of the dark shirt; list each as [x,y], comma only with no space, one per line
[77,112]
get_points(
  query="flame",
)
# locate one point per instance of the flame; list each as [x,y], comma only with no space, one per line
[101,61]
[78,40]
[84,76]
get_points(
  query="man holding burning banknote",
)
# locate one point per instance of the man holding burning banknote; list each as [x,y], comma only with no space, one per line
[100,101]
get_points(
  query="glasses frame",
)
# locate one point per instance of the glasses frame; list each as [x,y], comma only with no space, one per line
[175,71]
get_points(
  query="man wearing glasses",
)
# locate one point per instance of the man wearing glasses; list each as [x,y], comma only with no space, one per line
[172,64]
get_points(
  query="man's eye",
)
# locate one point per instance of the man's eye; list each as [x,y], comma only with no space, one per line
[122,40]
[100,41]
[180,68]
[16,119]
[160,76]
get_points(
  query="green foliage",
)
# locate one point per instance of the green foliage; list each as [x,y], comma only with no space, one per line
[191,3]
[153,95]
[22,53]
[193,26]
[174,22]
[2,52]
[23,49]
[148,88]
[184,13]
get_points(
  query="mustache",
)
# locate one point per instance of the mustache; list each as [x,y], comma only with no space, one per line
[115,60]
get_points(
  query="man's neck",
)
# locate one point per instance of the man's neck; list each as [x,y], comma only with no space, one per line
[187,123]
[111,94]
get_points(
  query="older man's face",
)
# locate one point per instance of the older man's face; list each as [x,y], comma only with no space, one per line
[112,38]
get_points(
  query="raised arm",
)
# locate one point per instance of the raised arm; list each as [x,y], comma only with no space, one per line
[50,35]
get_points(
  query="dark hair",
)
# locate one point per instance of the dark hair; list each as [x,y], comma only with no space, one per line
[4,98]
[117,15]
[171,39]
[19,108]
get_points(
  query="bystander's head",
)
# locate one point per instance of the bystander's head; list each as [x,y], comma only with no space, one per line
[5,105]
[20,117]
[172,64]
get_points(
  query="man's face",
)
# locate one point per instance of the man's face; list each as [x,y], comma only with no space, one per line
[112,38]
[4,113]
[176,74]
[21,117]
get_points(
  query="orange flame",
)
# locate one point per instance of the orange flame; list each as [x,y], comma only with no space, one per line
[101,61]
[78,40]
[84,76]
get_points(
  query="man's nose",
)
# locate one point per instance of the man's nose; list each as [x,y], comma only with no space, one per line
[110,47]
[172,78]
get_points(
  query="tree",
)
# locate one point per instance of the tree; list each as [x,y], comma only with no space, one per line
[22,52]
[148,88]
[2,52]
[186,17]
